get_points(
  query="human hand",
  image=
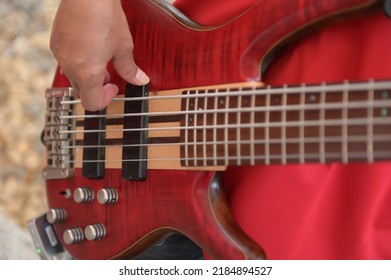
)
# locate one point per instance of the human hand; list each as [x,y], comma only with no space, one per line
[86,36]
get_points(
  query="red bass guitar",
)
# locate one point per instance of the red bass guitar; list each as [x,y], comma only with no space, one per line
[121,179]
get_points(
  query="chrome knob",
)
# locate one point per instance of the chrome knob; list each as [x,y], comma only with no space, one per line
[95,232]
[83,195]
[73,236]
[107,196]
[56,215]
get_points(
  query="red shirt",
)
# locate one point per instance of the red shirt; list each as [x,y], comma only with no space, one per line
[315,211]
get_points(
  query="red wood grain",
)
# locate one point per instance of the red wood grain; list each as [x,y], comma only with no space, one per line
[177,56]
[166,202]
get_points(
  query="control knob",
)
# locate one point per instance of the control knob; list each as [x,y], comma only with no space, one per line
[107,196]
[73,236]
[56,215]
[95,232]
[83,195]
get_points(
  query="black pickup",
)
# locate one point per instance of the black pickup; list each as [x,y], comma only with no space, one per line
[135,136]
[94,150]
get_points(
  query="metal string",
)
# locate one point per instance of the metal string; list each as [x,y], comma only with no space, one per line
[307,140]
[309,157]
[330,122]
[370,85]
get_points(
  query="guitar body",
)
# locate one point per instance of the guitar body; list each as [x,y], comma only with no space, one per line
[177,54]
[167,202]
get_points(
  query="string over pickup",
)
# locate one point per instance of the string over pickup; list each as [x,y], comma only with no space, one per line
[94,150]
[134,157]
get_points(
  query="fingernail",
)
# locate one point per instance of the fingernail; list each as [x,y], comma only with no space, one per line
[141,77]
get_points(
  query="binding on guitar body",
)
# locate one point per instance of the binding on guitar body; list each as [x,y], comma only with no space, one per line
[121,179]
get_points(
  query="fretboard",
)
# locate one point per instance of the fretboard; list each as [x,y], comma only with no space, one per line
[346,122]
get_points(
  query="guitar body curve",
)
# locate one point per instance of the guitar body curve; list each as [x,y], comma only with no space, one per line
[178,53]
[245,45]
[188,202]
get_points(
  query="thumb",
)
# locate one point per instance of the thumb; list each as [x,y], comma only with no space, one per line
[126,67]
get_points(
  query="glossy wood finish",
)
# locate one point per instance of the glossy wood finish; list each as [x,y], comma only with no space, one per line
[167,202]
[179,54]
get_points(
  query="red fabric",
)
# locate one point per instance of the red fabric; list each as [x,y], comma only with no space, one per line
[315,211]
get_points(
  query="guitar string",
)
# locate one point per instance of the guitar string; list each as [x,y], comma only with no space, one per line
[258,109]
[307,140]
[308,156]
[370,85]
[330,122]
[327,140]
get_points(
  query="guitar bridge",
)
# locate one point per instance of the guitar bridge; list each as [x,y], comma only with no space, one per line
[58,143]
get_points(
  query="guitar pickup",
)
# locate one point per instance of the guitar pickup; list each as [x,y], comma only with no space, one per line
[93,142]
[135,136]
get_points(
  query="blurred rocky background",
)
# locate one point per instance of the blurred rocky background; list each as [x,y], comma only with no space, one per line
[26,70]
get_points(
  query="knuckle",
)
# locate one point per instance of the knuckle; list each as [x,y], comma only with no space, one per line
[89,76]
[129,68]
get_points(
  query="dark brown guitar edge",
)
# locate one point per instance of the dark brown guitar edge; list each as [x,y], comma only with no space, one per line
[219,204]
[181,18]
[147,241]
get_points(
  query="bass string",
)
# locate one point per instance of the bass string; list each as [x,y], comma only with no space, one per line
[370,86]
[241,91]
[278,124]
[257,109]
[307,140]
[296,157]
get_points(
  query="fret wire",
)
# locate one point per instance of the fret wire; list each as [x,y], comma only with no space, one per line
[215,132]
[371,97]
[267,131]
[186,133]
[322,128]
[205,125]
[301,128]
[226,121]
[195,121]
[283,128]
[345,100]
[238,134]
[252,130]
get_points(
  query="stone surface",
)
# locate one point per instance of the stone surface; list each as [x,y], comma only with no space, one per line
[27,68]
[15,242]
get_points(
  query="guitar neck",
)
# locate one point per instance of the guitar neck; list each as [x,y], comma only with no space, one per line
[282,125]
[245,124]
